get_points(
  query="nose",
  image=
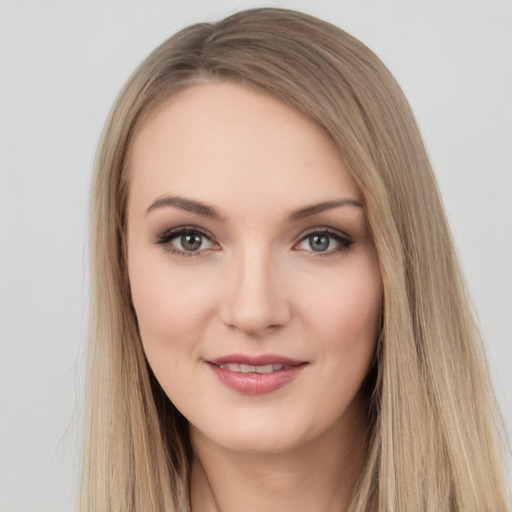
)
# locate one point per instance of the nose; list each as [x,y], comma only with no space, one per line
[255,300]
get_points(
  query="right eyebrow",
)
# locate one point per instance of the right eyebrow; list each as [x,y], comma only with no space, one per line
[188,205]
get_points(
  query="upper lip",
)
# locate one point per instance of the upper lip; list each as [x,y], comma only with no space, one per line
[255,360]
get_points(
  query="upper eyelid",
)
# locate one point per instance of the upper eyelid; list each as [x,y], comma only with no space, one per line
[327,230]
[174,232]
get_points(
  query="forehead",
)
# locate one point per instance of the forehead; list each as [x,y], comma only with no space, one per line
[225,142]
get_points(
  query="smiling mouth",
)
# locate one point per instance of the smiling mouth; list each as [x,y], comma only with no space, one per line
[256,375]
[247,368]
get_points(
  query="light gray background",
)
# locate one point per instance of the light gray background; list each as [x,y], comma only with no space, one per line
[61,65]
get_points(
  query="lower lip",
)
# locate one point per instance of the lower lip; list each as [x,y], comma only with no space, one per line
[257,383]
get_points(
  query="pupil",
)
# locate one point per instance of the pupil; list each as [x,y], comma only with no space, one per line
[319,242]
[191,242]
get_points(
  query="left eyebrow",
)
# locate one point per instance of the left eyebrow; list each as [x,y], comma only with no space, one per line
[321,207]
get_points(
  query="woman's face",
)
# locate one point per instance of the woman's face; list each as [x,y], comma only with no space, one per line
[254,279]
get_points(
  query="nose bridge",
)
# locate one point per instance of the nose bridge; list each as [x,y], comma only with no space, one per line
[254,300]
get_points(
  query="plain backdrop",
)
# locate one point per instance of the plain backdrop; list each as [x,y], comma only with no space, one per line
[61,66]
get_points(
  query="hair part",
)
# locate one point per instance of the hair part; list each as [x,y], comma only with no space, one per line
[435,432]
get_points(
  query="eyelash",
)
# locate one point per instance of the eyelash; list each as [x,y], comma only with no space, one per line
[166,237]
[344,241]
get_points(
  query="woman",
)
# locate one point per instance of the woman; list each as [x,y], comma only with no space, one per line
[279,321]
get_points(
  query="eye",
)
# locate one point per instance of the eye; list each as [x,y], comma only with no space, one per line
[186,241]
[324,241]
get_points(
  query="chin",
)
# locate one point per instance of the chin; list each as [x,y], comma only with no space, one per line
[263,438]
[262,444]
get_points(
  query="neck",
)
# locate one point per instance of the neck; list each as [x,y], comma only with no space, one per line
[318,476]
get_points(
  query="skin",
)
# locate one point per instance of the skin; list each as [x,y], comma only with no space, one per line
[255,286]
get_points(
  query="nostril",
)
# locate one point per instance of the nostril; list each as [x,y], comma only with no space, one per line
[254,321]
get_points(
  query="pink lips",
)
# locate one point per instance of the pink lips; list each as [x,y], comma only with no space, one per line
[256,375]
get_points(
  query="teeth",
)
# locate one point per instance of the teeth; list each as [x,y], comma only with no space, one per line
[232,367]
[269,368]
[247,368]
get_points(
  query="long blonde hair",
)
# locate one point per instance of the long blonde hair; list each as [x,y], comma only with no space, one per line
[435,434]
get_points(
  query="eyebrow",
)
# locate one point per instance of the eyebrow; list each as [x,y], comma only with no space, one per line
[188,205]
[205,210]
[308,211]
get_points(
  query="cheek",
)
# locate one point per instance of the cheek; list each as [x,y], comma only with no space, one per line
[171,309]
[346,310]
[344,319]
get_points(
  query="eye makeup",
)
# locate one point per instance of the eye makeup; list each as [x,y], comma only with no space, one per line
[324,242]
[193,241]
